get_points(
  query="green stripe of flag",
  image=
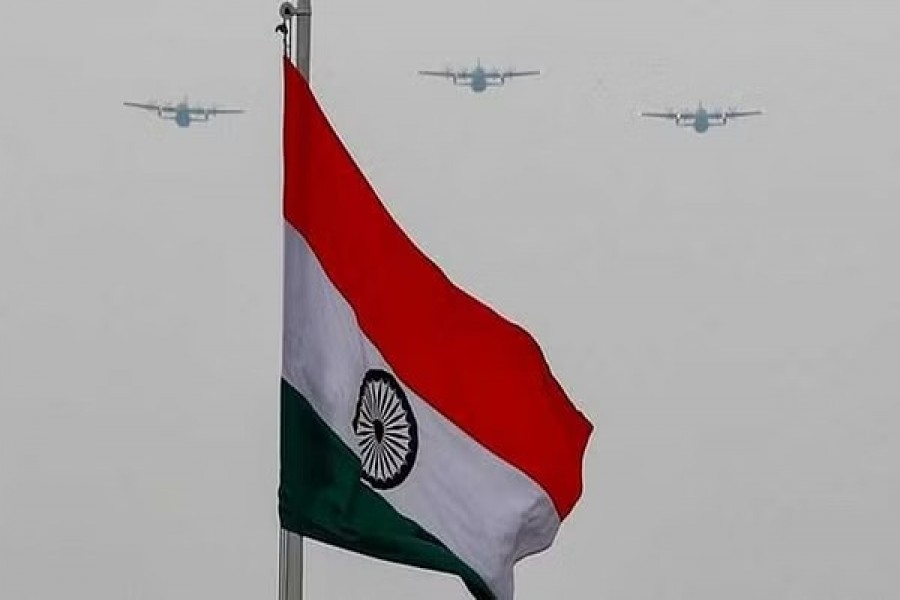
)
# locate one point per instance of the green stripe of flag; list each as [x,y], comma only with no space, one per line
[321,496]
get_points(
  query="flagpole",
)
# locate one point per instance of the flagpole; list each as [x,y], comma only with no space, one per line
[302,28]
[290,547]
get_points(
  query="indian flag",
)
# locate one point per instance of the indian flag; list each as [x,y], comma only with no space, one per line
[417,425]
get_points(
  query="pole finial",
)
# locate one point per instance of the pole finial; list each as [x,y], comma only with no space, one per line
[289,11]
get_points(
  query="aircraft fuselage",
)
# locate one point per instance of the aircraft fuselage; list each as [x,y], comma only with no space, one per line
[479,81]
[701,121]
[182,116]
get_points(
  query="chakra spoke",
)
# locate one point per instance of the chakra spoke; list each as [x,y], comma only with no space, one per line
[394,411]
[397,428]
[400,418]
[382,466]
[366,455]
[399,444]
[393,450]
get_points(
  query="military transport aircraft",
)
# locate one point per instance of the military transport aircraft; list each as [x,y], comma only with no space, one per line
[182,113]
[702,119]
[479,79]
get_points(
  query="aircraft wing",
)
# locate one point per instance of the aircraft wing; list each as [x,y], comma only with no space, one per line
[212,111]
[447,73]
[508,74]
[669,115]
[149,106]
[732,114]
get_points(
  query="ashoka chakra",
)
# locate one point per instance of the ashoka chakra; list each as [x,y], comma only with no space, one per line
[385,431]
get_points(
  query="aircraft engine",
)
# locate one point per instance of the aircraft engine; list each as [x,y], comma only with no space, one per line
[725,112]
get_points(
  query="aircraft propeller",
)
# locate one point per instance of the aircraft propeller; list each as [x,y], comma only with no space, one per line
[677,114]
[725,113]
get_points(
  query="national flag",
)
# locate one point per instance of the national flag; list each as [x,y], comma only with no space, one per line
[417,425]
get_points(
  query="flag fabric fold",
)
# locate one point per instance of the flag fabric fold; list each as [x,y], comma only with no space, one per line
[417,426]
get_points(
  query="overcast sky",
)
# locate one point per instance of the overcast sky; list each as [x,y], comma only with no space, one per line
[724,307]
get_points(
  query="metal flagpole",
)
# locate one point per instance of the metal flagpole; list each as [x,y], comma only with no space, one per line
[290,548]
[290,566]
[302,26]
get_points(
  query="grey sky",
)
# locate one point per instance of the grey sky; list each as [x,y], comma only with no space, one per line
[725,307]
